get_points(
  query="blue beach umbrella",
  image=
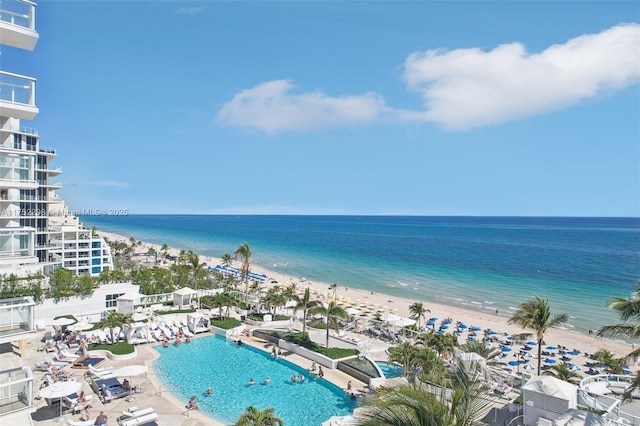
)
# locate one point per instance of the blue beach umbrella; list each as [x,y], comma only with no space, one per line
[551,348]
[550,361]
[531,343]
[463,326]
[506,349]
[476,329]
[514,363]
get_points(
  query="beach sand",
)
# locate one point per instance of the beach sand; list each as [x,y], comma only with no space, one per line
[400,306]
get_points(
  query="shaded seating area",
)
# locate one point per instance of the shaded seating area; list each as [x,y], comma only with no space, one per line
[109,389]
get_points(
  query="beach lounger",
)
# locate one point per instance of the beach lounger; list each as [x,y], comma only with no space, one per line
[81,422]
[129,414]
[140,420]
[48,362]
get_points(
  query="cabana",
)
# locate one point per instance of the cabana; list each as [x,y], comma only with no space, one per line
[197,323]
[137,333]
[183,297]
[127,302]
[545,397]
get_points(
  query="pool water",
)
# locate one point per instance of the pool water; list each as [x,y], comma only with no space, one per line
[189,369]
[390,371]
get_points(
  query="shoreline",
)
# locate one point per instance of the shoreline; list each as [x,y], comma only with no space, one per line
[400,306]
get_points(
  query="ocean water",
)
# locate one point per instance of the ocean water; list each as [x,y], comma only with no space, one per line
[482,263]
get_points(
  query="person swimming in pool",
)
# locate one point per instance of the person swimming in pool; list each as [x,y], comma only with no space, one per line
[267,380]
[251,382]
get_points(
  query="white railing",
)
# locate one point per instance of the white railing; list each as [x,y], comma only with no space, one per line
[25,17]
[17,89]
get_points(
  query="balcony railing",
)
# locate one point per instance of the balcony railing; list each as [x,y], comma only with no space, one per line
[21,13]
[17,89]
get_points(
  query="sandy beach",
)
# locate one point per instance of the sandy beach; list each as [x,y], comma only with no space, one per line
[400,306]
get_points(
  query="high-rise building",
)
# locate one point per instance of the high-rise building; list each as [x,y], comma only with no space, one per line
[37,232]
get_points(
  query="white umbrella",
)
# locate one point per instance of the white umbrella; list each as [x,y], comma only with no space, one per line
[62,321]
[353,311]
[403,322]
[130,370]
[60,389]
[81,326]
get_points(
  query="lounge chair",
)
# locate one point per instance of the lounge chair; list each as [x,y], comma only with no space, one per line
[49,362]
[109,389]
[81,422]
[75,407]
[129,414]
[140,420]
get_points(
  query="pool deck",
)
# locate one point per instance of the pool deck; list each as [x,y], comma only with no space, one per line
[170,410]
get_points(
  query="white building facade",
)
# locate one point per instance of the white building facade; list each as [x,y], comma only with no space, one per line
[37,233]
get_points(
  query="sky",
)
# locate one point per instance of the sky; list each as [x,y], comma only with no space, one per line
[325,107]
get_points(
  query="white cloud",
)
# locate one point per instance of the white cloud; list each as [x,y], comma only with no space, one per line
[461,88]
[271,107]
[466,88]
[112,184]
[189,10]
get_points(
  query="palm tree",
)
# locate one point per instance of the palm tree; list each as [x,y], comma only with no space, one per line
[460,403]
[562,371]
[535,315]
[226,259]
[332,312]
[197,269]
[418,310]
[334,287]
[305,304]
[404,355]
[254,417]
[165,250]
[487,352]
[244,253]
[113,320]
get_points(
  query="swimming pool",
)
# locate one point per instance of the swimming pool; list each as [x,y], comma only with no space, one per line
[213,361]
[390,371]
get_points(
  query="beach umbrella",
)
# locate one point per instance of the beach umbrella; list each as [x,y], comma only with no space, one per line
[550,361]
[529,367]
[514,363]
[340,421]
[531,343]
[551,348]
[62,321]
[476,329]
[130,371]
[59,390]
[81,326]
[506,349]
[403,322]
[462,326]
[353,311]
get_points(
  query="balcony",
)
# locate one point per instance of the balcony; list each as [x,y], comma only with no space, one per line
[17,392]
[18,96]
[18,24]
[16,319]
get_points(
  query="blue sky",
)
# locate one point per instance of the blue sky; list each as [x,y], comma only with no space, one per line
[428,108]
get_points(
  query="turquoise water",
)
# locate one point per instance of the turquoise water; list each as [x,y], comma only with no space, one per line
[189,369]
[482,263]
[390,371]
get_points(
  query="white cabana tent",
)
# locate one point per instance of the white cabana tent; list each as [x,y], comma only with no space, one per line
[197,323]
[183,297]
[137,333]
[545,397]
[128,301]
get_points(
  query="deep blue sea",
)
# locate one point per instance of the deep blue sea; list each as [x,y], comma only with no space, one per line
[483,263]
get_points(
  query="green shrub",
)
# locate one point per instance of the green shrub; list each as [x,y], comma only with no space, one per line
[260,317]
[321,325]
[226,323]
[305,342]
[120,348]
